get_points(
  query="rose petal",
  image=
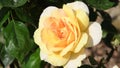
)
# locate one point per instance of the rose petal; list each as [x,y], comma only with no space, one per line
[38,41]
[47,55]
[67,49]
[46,13]
[82,19]
[54,43]
[70,13]
[115,66]
[78,5]
[72,45]
[95,32]
[54,59]
[82,42]
[75,60]
[89,42]
[37,35]
[72,19]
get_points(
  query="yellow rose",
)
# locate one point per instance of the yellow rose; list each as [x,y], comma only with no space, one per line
[63,34]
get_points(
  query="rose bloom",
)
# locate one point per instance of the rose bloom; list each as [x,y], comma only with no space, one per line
[64,33]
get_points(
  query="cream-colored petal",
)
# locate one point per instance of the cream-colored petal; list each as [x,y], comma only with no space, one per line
[79,5]
[72,18]
[67,49]
[95,32]
[46,13]
[38,41]
[89,42]
[82,42]
[75,60]
[54,59]
[71,15]
[83,20]
[49,56]
[115,66]
[37,37]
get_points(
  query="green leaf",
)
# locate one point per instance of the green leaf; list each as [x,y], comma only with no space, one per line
[18,42]
[12,3]
[1,6]
[104,34]
[20,12]
[100,4]
[4,19]
[2,41]
[6,58]
[33,61]
[3,12]
[0,46]
[116,40]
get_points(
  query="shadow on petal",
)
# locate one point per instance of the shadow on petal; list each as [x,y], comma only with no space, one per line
[76,59]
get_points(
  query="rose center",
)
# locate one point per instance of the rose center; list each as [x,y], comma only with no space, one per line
[58,27]
[56,33]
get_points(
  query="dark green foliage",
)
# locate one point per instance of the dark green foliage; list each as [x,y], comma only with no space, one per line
[12,3]
[17,38]
[33,61]
[100,4]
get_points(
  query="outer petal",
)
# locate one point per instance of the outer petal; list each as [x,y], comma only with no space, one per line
[95,32]
[46,13]
[75,60]
[89,42]
[78,5]
[115,66]
[37,35]
[55,59]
